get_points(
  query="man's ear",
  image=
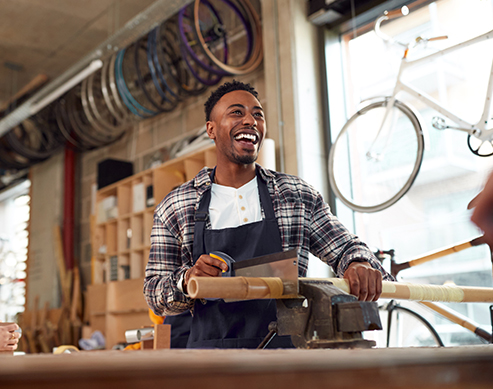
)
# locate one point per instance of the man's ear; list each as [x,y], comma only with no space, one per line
[211,129]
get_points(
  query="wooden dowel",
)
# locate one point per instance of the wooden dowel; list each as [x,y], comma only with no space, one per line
[457,318]
[396,267]
[244,288]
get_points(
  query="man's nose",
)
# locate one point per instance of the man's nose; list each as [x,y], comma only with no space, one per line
[250,119]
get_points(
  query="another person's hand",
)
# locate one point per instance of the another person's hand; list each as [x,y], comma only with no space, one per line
[482,215]
[206,266]
[8,337]
[365,282]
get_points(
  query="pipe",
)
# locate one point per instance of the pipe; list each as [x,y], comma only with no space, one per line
[68,208]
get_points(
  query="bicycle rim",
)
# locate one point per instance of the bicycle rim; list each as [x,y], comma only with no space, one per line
[371,166]
[410,329]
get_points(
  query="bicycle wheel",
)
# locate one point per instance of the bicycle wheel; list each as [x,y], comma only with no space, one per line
[371,166]
[407,328]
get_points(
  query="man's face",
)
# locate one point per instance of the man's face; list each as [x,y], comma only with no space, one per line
[237,126]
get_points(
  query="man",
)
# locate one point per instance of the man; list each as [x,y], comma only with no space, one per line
[245,211]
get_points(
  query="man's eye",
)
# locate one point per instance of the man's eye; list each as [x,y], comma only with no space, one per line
[259,114]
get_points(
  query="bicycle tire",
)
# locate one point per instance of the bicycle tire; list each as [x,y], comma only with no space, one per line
[135,106]
[396,308]
[119,104]
[251,62]
[162,86]
[146,79]
[99,109]
[201,55]
[359,176]
[168,49]
[64,126]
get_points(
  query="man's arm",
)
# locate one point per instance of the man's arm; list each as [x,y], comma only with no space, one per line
[164,269]
[346,254]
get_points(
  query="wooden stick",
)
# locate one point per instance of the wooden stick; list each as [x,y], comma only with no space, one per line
[244,288]
[457,318]
[396,267]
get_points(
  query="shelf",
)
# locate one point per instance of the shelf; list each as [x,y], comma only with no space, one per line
[121,245]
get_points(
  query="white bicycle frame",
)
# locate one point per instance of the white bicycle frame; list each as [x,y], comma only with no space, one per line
[479,129]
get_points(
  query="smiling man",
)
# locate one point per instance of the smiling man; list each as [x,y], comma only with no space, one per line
[245,211]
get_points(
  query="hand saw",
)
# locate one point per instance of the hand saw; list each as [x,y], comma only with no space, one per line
[283,265]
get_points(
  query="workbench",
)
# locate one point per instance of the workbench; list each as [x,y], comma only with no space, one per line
[468,367]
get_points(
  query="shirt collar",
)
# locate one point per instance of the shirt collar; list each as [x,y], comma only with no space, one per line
[202,180]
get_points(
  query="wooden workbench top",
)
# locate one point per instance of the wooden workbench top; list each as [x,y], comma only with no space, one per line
[461,367]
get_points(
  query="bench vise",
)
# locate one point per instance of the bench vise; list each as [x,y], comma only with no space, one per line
[326,317]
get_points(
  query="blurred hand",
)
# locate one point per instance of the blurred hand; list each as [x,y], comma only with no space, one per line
[482,215]
[365,282]
[8,337]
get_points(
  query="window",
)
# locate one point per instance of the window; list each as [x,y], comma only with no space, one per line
[14,213]
[433,214]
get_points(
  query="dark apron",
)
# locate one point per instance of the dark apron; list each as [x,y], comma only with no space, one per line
[243,324]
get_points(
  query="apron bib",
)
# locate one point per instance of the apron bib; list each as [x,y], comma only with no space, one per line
[242,324]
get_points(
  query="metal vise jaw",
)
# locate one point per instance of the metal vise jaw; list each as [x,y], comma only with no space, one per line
[326,318]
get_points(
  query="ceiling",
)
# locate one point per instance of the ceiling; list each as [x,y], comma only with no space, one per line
[49,36]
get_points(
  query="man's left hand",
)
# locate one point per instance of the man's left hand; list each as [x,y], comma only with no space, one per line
[365,282]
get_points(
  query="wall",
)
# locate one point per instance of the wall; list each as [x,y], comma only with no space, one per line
[46,213]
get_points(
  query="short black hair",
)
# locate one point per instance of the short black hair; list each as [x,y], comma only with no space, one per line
[222,90]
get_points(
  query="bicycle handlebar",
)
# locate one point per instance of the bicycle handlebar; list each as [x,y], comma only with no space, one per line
[387,16]
[403,11]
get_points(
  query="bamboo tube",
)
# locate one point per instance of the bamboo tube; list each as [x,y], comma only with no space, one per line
[396,267]
[420,292]
[244,288]
[235,287]
[457,318]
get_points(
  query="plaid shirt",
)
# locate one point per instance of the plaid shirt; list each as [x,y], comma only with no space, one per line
[304,219]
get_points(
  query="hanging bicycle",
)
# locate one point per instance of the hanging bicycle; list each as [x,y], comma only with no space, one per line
[377,155]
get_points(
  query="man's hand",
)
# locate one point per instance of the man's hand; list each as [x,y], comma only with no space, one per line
[206,266]
[9,338]
[365,282]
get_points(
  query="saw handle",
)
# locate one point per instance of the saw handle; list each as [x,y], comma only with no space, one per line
[227,260]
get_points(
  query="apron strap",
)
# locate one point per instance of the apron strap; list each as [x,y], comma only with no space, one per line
[202,213]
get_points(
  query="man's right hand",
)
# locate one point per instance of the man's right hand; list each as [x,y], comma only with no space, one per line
[206,266]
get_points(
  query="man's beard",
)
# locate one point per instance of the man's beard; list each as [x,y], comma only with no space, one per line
[244,159]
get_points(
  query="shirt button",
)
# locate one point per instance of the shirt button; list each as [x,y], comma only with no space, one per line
[245,220]
[240,196]
[242,208]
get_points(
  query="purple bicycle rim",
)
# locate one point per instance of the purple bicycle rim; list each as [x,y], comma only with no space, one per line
[211,69]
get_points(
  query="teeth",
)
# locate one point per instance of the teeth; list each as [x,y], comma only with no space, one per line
[251,137]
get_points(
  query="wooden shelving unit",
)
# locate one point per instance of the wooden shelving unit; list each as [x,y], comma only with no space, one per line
[121,243]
